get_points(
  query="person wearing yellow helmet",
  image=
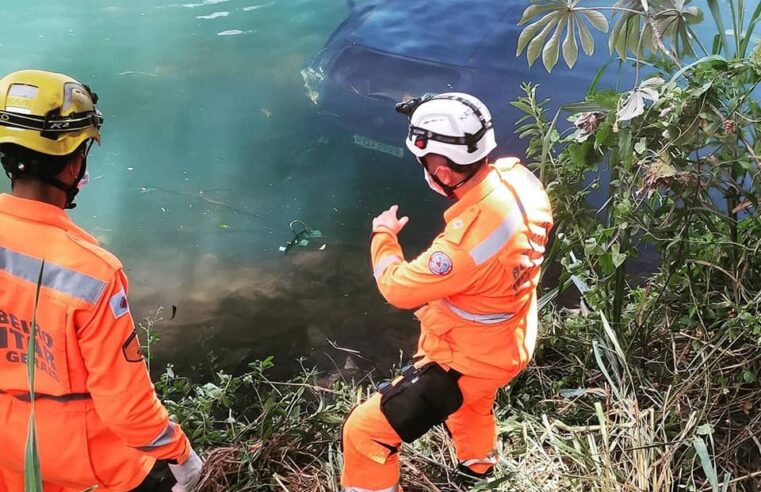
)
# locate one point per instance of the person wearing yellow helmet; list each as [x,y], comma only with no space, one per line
[99,421]
[47,121]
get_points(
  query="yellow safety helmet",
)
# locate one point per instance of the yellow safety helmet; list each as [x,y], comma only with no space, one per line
[47,112]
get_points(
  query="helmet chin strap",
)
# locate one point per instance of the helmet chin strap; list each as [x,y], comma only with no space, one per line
[450,189]
[70,190]
[73,189]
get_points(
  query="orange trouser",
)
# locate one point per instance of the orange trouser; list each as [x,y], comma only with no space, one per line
[371,461]
[13,482]
[70,447]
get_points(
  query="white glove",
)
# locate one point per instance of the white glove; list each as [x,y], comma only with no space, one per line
[187,474]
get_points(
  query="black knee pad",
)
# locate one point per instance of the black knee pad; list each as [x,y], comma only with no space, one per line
[423,398]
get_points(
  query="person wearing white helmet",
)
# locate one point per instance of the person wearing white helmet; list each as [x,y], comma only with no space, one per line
[477,287]
[455,126]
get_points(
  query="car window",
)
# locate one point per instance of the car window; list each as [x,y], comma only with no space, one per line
[384,76]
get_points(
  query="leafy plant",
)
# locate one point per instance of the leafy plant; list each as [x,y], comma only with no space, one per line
[682,151]
[564,17]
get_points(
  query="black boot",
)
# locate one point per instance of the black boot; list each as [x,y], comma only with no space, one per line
[468,478]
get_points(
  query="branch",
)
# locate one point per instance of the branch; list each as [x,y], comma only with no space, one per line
[659,38]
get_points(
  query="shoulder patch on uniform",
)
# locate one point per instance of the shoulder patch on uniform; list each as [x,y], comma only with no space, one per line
[131,348]
[457,227]
[119,304]
[440,263]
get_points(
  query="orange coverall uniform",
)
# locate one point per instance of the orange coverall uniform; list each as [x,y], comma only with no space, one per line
[99,421]
[477,283]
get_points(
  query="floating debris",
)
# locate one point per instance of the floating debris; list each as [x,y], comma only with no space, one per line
[130,169]
[203,3]
[137,72]
[301,238]
[256,7]
[174,312]
[215,15]
[266,112]
[233,32]
[224,227]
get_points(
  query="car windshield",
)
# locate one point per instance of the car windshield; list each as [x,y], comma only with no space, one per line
[383,76]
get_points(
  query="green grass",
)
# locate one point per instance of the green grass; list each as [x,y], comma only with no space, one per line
[32,472]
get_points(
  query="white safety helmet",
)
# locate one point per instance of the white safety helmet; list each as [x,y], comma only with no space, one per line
[455,125]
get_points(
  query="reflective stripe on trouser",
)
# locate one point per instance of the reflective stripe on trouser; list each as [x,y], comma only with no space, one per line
[481,465]
[368,439]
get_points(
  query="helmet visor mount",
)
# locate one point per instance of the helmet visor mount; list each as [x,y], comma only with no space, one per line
[421,136]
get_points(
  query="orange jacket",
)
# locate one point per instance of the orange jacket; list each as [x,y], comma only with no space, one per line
[98,418]
[478,279]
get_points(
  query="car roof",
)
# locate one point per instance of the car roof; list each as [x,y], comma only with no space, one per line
[482,34]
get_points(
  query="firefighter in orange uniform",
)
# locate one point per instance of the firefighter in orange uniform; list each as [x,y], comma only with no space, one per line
[99,421]
[477,288]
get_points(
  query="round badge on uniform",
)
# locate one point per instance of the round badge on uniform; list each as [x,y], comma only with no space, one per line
[440,263]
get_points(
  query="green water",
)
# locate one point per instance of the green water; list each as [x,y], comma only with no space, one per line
[209,151]
[210,148]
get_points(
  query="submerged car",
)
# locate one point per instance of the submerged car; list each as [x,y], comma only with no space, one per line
[391,50]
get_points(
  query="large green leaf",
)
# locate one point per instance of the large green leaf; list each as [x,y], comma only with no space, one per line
[530,32]
[552,48]
[562,16]
[705,461]
[626,28]
[32,473]
[587,42]
[754,18]
[713,5]
[597,19]
[570,48]
[674,23]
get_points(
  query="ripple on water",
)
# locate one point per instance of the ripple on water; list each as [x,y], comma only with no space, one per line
[234,32]
[213,16]
[203,3]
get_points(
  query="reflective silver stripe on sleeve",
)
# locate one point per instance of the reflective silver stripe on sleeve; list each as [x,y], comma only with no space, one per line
[486,319]
[393,488]
[163,439]
[54,277]
[384,263]
[497,239]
